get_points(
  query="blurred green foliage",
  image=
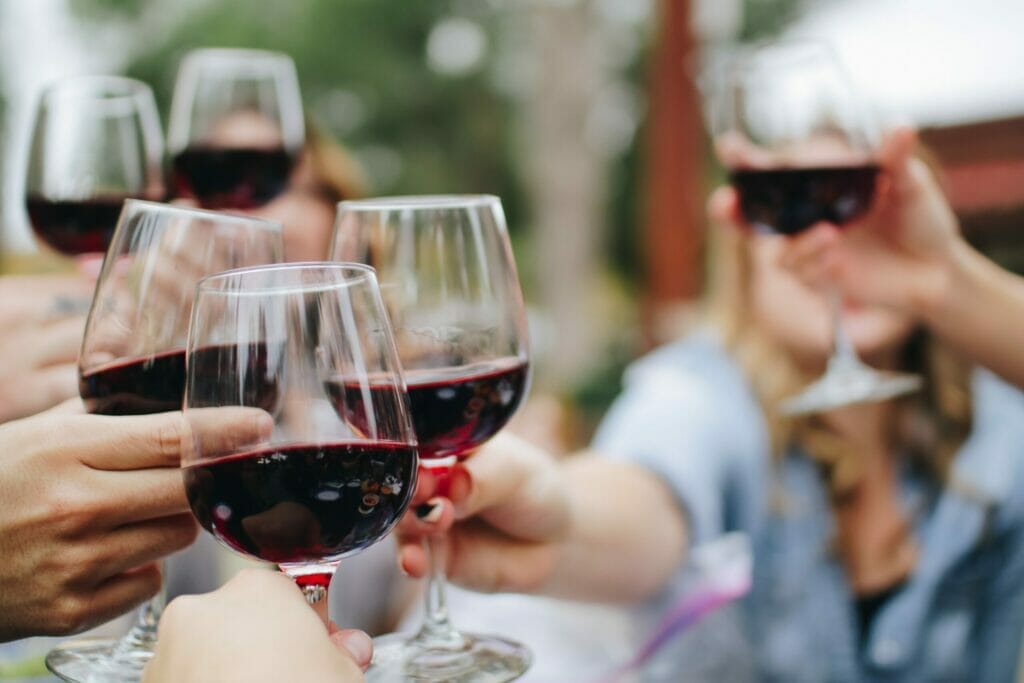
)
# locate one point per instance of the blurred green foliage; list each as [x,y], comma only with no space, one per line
[365,79]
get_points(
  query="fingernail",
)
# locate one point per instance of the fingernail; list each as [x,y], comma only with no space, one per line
[360,645]
[430,511]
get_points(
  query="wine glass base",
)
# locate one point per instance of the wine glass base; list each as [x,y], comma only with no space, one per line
[839,388]
[97,660]
[480,659]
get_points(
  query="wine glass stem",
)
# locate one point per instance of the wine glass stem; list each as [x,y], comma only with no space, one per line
[437,629]
[316,596]
[844,356]
[142,635]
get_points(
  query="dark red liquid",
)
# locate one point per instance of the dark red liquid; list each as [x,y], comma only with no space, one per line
[75,226]
[231,177]
[303,503]
[154,384]
[789,200]
[453,410]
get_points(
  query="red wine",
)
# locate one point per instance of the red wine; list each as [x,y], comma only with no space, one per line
[156,383]
[231,177]
[75,226]
[454,410]
[789,200]
[303,503]
[153,384]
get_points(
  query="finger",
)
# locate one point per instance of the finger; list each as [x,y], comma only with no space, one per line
[72,406]
[134,545]
[426,486]
[224,430]
[427,519]
[808,246]
[160,440]
[115,596]
[896,151]
[483,560]
[355,644]
[141,494]
[412,559]
[34,299]
[26,395]
[60,342]
[724,207]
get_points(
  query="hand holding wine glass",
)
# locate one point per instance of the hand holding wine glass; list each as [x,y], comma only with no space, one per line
[88,504]
[274,638]
[96,141]
[236,127]
[338,469]
[898,253]
[449,280]
[802,150]
[133,357]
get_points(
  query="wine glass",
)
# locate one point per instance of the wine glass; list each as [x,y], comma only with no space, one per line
[133,358]
[96,141]
[310,345]
[236,127]
[449,280]
[801,149]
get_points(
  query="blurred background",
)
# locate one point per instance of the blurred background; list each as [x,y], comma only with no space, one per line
[585,116]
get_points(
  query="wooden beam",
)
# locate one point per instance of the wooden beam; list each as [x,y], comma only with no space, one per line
[673,220]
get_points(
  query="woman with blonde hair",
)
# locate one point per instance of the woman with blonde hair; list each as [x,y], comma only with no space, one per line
[888,537]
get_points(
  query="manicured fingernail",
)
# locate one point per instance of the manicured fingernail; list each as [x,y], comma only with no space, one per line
[430,511]
[360,645]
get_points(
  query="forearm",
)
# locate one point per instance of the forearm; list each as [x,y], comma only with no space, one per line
[978,309]
[626,535]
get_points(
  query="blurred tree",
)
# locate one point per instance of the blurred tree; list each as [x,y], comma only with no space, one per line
[366,77]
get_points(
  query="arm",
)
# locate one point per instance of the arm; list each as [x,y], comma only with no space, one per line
[978,309]
[583,527]
[908,254]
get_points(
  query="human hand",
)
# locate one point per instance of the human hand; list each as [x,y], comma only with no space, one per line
[41,322]
[88,503]
[506,508]
[898,255]
[257,627]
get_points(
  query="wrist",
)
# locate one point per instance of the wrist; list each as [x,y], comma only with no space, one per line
[941,281]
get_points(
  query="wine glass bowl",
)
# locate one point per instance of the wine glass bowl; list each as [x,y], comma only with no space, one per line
[449,281]
[96,141]
[236,127]
[133,359]
[800,147]
[317,487]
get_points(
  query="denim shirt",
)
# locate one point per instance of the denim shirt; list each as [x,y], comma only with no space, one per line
[688,415]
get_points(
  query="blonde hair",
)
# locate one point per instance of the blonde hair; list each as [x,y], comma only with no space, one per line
[930,425]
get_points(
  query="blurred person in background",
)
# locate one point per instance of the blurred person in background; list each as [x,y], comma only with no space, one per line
[324,174]
[888,537]
[42,318]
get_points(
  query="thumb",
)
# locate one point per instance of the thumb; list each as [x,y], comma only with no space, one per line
[355,644]
[160,440]
[895,154]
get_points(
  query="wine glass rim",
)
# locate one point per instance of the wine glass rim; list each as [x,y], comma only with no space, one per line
[97,86]
[217,282]
[423,201]
[235,53]
[220,216]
